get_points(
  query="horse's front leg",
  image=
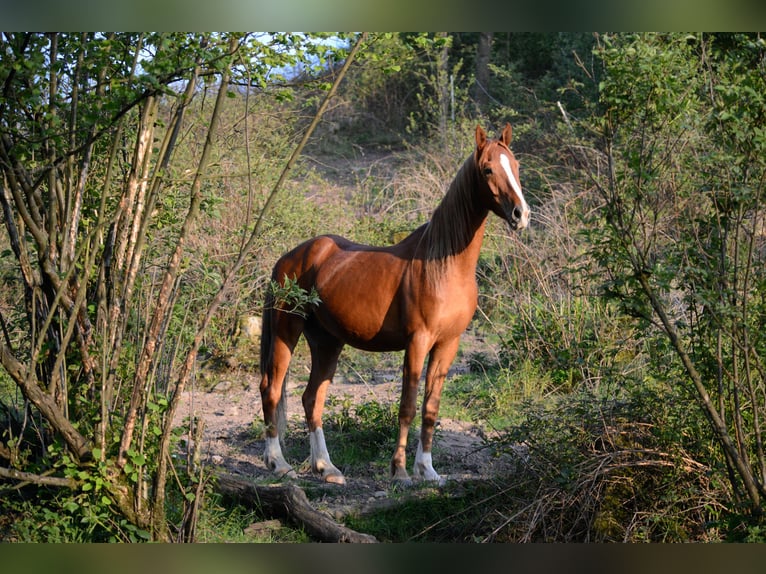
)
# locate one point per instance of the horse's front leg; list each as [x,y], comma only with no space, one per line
[413,366]
[439,363]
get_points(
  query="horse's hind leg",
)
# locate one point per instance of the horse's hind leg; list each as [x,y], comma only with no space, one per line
[286,331]
[325,351]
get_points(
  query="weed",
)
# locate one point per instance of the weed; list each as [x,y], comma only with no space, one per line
[492,397]
[454,513]
[613,468]
[222,522]
[364,434]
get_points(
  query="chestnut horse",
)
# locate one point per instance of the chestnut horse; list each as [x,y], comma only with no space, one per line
[418,296]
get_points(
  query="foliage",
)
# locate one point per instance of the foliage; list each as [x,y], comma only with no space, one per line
[590,467]
[614,468]
[58,517]
[292,298]
[108,165]
[681,176]
[458,513]
[222,522]
[364,434]
[400,88]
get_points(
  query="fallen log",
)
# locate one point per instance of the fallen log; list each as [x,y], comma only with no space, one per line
[288,501]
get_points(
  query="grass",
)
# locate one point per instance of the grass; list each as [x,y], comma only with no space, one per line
[599,469]
[501,509]
[491,397]
[363,435]
[220,522]
[430,516]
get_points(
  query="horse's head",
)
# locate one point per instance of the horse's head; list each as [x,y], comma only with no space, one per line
[499,170]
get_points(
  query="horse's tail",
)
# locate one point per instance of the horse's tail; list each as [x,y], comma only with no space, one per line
[267,359]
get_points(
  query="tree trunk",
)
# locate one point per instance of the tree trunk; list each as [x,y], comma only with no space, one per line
[481,85]
[442,86]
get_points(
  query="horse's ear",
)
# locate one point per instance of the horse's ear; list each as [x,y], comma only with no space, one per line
[481,138]
[505,137]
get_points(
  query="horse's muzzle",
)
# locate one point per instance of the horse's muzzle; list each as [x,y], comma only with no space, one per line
[517,216]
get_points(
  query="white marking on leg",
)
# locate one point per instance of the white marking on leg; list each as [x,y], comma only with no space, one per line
[320,458]
[319,454]
[506,163]
[424,468]
[272,457]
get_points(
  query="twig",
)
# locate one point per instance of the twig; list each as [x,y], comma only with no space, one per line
[28,477]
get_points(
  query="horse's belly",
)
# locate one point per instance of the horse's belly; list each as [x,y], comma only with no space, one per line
[362,323]
[361,305]
[371,301]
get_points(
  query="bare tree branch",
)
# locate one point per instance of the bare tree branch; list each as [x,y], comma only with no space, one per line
[44,480]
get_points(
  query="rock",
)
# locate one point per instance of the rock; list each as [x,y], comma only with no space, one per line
[222,387]
[248,330]
[263,528]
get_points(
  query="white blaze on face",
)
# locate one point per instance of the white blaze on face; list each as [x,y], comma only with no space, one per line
[506,163]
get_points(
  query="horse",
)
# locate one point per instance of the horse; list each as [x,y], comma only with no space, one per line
[418,295]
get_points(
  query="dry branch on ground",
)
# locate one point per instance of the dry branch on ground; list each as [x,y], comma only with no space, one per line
[288,501]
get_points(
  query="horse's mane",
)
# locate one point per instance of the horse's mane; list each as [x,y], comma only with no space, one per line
[452,225]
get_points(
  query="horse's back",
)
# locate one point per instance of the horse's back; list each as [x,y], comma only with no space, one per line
[359,286]
[302,262]
[308,257]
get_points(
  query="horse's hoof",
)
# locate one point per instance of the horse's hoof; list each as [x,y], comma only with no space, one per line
[434,480]
[335,478]
[401,478]
[330,473]
[281,470]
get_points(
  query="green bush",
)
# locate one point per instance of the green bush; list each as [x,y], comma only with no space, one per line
[364,434]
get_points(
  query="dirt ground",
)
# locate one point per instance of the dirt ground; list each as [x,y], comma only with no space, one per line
[232,440]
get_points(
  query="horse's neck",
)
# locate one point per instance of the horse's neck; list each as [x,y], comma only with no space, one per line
[453,237]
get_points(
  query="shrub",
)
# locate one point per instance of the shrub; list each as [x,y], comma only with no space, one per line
[625,468]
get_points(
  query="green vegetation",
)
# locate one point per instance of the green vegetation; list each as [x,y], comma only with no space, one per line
[619,346]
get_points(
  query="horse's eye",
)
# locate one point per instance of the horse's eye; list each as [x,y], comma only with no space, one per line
[487,171]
